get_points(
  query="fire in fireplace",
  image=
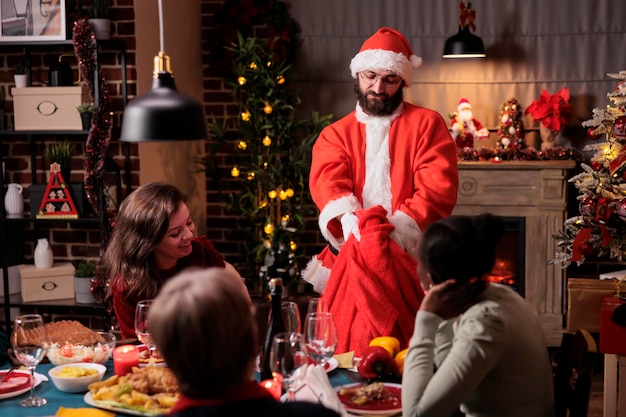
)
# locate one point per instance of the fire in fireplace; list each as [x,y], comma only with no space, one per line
[509,266]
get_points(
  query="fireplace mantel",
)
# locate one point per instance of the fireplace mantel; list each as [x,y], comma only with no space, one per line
[536,191]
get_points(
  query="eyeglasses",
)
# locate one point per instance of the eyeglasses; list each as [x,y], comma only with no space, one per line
[370,78]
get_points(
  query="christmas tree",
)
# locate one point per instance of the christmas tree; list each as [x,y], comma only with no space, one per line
[511,128]
[271,160]
[600,228]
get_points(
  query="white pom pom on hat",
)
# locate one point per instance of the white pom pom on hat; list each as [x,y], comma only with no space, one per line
[386,50]
[463,104]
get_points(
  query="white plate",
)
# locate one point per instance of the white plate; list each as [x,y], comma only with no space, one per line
[110,407]
[38,380]
[362,411]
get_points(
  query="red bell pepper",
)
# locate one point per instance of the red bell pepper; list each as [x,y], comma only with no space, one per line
[376,362]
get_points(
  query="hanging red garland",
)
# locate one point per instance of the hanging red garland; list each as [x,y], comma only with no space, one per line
[85,48]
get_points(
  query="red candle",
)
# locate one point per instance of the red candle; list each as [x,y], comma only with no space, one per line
[274,386]
[124,358]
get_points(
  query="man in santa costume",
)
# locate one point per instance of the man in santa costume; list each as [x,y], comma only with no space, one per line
[465,128]
[386,154]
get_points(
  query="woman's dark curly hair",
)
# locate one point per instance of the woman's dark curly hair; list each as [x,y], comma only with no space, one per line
[460,247]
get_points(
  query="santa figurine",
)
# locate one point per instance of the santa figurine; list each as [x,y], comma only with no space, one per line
[465,128]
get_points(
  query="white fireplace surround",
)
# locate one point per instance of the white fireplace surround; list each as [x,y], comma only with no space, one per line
[536,191]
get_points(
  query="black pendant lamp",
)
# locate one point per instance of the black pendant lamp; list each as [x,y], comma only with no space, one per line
[163,114]
[465,44]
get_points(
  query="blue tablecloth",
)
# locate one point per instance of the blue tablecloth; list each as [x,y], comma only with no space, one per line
[11,407]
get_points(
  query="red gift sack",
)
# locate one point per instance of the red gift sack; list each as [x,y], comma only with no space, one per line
[612,335]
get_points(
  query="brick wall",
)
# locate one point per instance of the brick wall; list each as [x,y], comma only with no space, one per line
[222,226]
[69,241]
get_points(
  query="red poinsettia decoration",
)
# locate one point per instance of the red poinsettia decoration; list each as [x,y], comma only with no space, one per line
[552,111]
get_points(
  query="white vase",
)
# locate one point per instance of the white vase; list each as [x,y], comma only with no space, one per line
[82,288]
[21,80]
[14,201]
[101,28]
[43,254]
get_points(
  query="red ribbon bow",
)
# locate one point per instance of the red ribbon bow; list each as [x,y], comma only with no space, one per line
[467,15]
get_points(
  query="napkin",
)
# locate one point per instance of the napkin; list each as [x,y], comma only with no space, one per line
[82,412]
[345,360]
[315,387]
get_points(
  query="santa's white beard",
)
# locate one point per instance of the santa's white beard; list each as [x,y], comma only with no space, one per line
[465,115]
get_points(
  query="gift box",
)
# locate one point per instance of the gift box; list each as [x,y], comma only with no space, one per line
[48,108]
[43,284]
[612,335]
[584,300]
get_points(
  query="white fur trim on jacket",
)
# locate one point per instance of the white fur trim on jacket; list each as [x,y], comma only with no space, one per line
[407,232]
[333,209]
[316,274]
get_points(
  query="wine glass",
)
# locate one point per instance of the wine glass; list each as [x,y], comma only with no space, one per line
[291,316]
[141,327]
[287,355]
[29,340]
[320,337]
[317,305]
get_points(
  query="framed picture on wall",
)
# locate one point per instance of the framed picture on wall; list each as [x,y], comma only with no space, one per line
[32,20]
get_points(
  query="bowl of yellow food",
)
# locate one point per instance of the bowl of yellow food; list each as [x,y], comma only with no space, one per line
[76,377]
[93,347]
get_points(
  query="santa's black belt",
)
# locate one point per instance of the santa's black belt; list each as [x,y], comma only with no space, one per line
[334,250]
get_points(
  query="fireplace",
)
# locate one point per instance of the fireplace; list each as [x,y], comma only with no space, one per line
[509,265]
[535,192]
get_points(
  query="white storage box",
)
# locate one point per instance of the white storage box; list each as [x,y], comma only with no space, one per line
[43,284]
[48,108]
[15,286]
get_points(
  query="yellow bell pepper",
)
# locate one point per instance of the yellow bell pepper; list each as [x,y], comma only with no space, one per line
[390,343]
[400,360]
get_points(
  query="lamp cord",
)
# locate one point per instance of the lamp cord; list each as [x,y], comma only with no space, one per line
[161,26]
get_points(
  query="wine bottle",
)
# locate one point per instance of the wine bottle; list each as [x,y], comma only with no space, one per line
[274,326]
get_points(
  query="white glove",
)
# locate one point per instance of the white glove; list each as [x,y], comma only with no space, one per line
[350,225]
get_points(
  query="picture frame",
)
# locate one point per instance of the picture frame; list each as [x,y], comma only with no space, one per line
[32,20]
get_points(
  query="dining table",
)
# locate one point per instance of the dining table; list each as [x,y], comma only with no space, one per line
[56,398]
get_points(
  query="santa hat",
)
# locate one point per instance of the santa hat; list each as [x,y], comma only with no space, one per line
[463,104]
[386,50]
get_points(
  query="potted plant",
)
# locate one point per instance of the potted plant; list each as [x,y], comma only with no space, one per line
[61,153]
[21,75]
[84,273]
[99,21]
[86,111]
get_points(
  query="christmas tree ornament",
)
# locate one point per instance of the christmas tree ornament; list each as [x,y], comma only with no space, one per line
[619,128]
[586,249]
[587,206]
[620,209]
[592,134]
[596,166]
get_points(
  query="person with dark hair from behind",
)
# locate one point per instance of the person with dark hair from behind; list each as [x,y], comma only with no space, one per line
[204,325]
[477,346]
